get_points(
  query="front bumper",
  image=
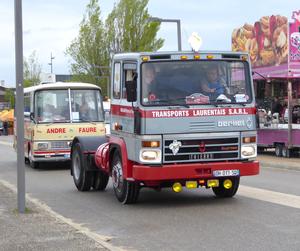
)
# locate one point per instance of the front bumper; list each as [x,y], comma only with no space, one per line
[191,171]
[47,156]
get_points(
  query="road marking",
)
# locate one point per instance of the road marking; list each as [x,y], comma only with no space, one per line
[101,239]
[284,199]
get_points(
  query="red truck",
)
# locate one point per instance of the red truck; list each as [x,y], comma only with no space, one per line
[182,133]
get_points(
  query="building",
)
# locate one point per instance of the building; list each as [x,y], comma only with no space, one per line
[3,103]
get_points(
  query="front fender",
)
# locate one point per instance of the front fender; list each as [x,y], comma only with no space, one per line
[89,146]
[118,144]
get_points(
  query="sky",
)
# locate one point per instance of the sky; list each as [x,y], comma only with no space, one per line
[49,26]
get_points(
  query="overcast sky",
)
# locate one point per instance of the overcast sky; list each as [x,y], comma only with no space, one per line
[50,25]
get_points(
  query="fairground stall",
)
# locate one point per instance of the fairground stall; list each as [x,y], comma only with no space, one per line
[273,45]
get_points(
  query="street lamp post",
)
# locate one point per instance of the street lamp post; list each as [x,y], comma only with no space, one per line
[51,63]
[19,105]
[177,21]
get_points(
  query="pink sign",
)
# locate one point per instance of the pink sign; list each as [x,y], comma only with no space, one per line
[266,41]
[295,38]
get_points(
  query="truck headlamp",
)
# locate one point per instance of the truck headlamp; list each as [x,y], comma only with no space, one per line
[42,146]
[248,151]
[150,155]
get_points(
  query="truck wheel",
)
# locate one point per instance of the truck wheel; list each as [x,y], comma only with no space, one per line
[125,191]
[286,152]
[100,181]
[222,192]
[260,149]
[278,150]
[33,164]
[82,178]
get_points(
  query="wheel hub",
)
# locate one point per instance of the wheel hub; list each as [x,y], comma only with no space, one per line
[76,166]
[117,176]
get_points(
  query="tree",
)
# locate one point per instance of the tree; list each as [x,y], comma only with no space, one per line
[32,70]
[128,28]
[88,50]
[9,97]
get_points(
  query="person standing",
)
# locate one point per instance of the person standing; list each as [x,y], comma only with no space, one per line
[5,128]
[276,106]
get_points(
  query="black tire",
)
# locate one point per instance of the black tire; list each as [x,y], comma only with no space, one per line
[33,164]
[26,160]
[260,149]
[100,181]
[81,177]
[222,192]
[286,152]
[125,191]
[278,150]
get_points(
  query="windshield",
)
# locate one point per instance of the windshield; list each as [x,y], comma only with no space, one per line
[195,82]
[53,106]
[86,105]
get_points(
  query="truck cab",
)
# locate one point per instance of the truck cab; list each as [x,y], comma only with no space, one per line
[180,119]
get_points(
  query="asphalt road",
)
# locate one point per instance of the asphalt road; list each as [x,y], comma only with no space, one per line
[264,215]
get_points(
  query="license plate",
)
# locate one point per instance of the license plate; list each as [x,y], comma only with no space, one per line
[218,173]
[67,155]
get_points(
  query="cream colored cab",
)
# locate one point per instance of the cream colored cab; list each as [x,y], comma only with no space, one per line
[55,113]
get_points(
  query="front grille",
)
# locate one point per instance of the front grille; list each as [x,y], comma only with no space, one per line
[59,145]
[202,150]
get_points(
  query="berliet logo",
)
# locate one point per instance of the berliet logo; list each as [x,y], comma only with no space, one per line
[174,146]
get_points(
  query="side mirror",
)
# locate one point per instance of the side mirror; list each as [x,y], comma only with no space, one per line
[131,90]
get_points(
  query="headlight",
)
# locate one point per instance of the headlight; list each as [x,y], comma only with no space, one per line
[42,146]
[150,155]
[248,151]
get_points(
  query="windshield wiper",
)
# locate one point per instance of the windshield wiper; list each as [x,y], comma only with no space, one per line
[54,122]
[87,120]
[172,102]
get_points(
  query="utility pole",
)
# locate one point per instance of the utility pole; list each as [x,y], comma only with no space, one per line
[51,63]
[19,105]
[177,21]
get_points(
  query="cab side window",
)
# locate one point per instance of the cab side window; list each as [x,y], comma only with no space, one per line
[27,102]
[129,74]
[117,81]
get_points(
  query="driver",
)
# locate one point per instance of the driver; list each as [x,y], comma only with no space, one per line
[149,83]
[212,85]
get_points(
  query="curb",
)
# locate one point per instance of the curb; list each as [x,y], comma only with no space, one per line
[100,239]
[266,164]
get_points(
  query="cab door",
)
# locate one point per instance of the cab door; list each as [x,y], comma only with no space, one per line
[115,126]
[129,74]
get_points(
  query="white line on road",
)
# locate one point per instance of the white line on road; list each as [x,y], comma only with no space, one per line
[102,240]
[6,143]
[284,199]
